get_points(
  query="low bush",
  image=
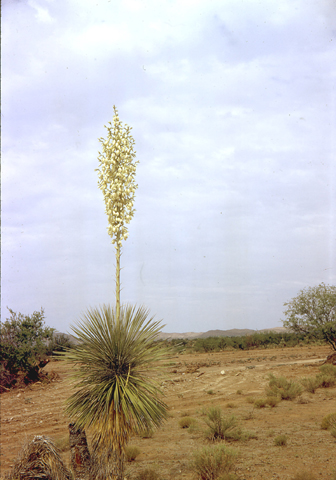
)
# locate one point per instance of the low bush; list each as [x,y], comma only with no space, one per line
[146,433]
[25,343]
[310,384]
[260,403]
[131,452]
[325,380]
[221,428]
[328,370]
[280,441]
[283,388]
[211,463]
[273,401]
[329,421]
[186,422]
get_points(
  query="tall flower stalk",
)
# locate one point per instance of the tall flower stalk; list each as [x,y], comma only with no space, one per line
[116,179]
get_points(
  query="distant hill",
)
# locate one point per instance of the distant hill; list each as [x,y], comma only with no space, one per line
[235,332]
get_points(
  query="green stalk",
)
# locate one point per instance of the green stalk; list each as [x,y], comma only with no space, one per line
[118,282]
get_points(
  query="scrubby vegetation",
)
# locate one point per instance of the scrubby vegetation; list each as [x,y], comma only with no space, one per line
[131,453]
[186,422]
[221,427]
[280,441]
[212,462]
[283,388]
[25,344]
[246,342]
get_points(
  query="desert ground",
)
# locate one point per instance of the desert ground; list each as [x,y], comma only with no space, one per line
[191,384]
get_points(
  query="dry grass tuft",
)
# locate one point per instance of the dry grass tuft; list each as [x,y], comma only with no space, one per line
[280,441]
[283,388]
[186,422]
[310,384]
[329,421]
[39,459]
[131,452]
[212,462]
[260,403]
[230,405]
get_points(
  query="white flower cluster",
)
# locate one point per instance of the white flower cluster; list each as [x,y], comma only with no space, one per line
[116,175]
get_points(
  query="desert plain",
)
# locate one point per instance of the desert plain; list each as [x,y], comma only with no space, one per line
[191,384]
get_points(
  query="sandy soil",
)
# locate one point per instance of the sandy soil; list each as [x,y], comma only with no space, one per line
[38,410]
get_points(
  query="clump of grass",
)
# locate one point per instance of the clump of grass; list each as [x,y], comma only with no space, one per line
[328,370]
[329,421]
[221,428]
[212,462]
[131,453]
[310,384]
[146,433]
[283,388]
[260,403]
[186,422]
[147,474]
[231,405]
[239,392]
[304,476]
[224,428]
[280,441]
[250,399]
[325,380]
[273,401]
[210,392]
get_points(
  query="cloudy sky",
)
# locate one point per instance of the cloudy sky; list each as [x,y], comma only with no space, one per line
[233,109]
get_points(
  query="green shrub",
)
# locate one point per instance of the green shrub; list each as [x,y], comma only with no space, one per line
[325,380]
[131,453]
[273,401]
[210,392]
[221,428]
[260,403]
[250,399]
[147,474]
[146,433]
[329,421]
[212,462]
[283,388]
[186,422]
[280,441]
[310,384]
[328,370]
[24,345]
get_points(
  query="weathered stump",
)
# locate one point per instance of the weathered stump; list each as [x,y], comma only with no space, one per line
[79,453]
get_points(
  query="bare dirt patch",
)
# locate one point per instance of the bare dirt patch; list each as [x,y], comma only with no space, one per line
[192,383]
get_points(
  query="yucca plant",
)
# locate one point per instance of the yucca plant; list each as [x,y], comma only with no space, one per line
[116,394]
